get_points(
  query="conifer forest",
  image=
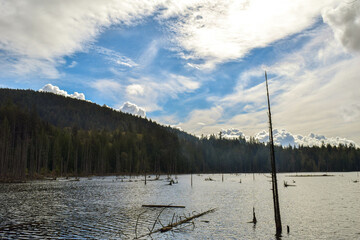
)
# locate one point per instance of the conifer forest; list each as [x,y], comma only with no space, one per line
[43,134]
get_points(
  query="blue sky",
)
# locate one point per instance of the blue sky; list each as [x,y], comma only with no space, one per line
[196,65]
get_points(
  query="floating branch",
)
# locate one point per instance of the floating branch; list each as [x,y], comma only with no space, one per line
[170,226]
[311,175]
[163,206]
[288,184]
[173,225]
[209,179]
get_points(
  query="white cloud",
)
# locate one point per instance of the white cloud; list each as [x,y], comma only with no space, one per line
[345,22]
[202,120]
[281,137]
[232,133]
[220,31]
[77,95]
[135,89]
[72,64]
[186,83]
[43,32]
[56,90]
[132,108]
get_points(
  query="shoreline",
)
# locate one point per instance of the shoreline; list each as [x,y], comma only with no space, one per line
[72,177]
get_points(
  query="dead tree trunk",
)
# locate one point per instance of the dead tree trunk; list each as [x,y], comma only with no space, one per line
[273,168]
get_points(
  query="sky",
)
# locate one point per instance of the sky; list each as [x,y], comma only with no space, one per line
[195,65]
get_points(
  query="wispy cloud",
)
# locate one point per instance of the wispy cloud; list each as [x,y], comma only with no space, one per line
[108,88]
[313,89]
[220,31]
[115,57]
[13,65]
[148,92]
[206,32]
[203,120]
[43,32]
[150,53]
[135,90]
[72,64]
[152,92]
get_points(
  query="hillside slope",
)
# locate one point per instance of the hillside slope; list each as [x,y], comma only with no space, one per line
[68,112]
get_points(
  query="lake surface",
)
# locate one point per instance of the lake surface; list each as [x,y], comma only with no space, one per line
[110,208]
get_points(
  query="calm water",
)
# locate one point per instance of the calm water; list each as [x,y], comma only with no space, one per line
[108,208]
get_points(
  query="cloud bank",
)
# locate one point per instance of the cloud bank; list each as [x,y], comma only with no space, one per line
[231,133]
[56,90]
[285,138]
[132,108]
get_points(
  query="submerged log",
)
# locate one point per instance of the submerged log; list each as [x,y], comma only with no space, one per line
[162,206]
[173,225]
[288,185]
[311,175]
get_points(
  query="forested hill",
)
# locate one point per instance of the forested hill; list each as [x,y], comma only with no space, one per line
[69,112]
[45,134]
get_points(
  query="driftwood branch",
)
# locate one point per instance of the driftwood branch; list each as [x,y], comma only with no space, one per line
[173,225]
[163,206]
[137,220]
[185,220]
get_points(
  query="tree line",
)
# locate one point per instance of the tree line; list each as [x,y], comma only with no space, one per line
[31,146]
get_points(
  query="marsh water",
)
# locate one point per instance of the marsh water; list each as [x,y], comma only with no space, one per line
[111,207]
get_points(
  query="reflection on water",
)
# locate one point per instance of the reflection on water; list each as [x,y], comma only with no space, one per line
[317,208]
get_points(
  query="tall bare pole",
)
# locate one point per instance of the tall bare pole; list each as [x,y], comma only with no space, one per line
[273,169]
